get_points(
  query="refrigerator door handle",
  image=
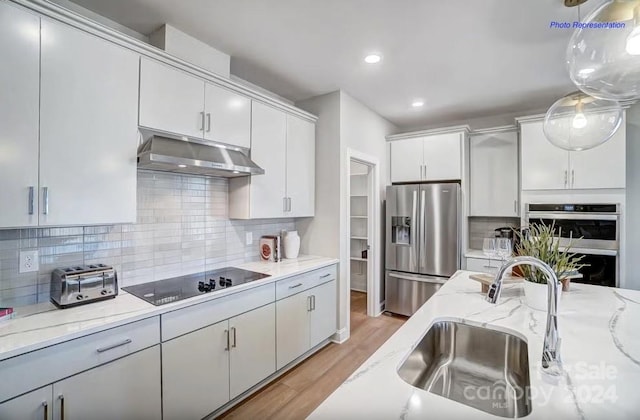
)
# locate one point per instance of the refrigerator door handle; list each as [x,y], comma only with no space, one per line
[423,231]
[427,279]
[414,255]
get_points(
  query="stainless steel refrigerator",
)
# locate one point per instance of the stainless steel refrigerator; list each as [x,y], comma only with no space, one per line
[422,243]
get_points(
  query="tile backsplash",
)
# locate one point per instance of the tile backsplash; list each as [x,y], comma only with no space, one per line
[483,227]
[182,227]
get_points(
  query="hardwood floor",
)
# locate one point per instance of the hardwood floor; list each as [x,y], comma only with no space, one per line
[297,393]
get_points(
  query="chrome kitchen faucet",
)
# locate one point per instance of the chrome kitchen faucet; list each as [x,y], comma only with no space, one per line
[551,361]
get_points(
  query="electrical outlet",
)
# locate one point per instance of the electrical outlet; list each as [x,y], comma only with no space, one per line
[248,238]
[29,261]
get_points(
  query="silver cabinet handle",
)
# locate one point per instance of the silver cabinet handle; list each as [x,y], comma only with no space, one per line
[208,122]
[61,398]
[421,176]
[308,303]
[201,121]
[226,333]
[566,178]
[289,203]
[515,206]
[284,204]
[45,408]
[31,189]
[114,346]
[425,172]
[325,276]
[573,178]
[313,302]
[296,285]
[45,200]
[234,337]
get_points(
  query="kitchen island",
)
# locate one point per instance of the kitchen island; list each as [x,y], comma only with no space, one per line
[600,350]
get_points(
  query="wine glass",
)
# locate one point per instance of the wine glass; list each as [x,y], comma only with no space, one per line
[489,248]
[504,248]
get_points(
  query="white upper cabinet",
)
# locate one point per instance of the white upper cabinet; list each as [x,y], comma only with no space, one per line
[436,157]
[284,146]
[88,129]
[603,166]
[19,100]
[171,100]
[493,174]
[544,166]
[174,101]
[407,161]
[227,116]
[301,168]
[443,157]
[547,167]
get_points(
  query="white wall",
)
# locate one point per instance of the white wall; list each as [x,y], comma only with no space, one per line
[320,235]
[363,130]
[632,280]
[343,123]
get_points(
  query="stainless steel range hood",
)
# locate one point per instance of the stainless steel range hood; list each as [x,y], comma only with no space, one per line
[160,152]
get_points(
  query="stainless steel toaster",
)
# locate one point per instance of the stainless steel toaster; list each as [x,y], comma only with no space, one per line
[82,284]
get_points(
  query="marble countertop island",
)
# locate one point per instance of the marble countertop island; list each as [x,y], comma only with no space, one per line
[600,331]
[43,325]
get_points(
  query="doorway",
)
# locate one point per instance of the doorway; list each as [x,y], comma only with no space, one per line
[363,235]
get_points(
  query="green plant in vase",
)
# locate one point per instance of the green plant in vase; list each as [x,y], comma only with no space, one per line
[540,241]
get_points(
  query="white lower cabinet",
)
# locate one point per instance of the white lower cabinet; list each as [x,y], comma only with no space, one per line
[253,348]
[127,388]
[36,405]
[195,373]
[304,320]
[204,369]
[483,265]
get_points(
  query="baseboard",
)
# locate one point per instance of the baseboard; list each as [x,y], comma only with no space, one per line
[381,307]
[340,336]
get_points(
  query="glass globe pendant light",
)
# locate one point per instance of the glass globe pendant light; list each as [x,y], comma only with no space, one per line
[581,122]
[603,56]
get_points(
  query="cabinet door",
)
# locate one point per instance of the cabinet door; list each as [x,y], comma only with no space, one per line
[493,175]
[407,160]
[88,129]
[227,116]
[544,166]
[195,373]
[171,100]
[292,328]
[603,166]
[19,100]
[253,348]
[127,388]
[301,167]
[323,313]
[36,405]
[268,150]
[483,266]
[443,157]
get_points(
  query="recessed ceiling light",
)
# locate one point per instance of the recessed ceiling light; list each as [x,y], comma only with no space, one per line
[373,58]
[182,166]
[417,103]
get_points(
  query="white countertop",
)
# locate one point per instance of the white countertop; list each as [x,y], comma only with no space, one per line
[43,325]
[600,350]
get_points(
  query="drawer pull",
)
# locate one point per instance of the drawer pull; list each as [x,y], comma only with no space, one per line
[296,285]
[113,346]
[325,276]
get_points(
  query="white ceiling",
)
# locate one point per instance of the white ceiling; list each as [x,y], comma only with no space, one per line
[466,58]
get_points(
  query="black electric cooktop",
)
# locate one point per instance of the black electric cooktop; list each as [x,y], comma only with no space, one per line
[177,288]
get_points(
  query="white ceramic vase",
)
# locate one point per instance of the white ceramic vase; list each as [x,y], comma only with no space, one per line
[291,244]
[536,295]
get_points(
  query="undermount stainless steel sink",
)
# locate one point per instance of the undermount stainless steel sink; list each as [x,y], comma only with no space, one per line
[479,367]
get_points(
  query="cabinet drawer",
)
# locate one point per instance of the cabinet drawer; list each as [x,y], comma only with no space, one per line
[297,284]
[198,316]
[482,265]
[42,367]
